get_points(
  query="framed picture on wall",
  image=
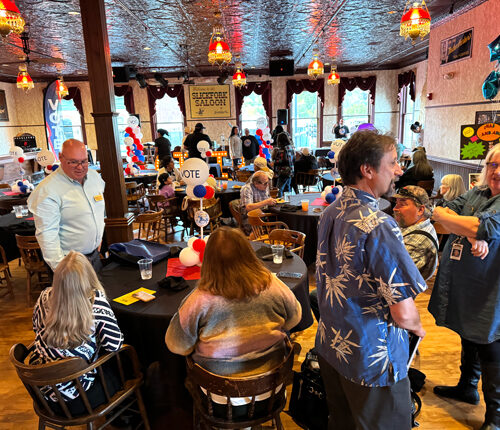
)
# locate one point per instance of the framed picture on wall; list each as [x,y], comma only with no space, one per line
[4,113]
[483,117]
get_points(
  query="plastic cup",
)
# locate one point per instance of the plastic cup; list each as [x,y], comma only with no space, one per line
[24,210]
[146,268]
[18,211]
[305,205]
[224,185]
[278,251]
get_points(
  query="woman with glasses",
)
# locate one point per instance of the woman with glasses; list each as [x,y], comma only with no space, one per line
[466,294]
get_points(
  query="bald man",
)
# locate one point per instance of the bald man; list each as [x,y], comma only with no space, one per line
[68,207]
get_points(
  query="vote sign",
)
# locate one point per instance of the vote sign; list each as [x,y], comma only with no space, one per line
[194,171]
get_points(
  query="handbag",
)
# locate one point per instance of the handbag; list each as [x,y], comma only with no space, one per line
[308,406]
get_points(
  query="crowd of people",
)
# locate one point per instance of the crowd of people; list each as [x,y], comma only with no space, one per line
[370,267]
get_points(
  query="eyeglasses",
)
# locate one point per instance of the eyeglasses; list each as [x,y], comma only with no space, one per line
[492,166]
[263,183]
[75,163]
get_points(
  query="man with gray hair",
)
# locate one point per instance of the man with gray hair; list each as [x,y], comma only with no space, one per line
[412,214]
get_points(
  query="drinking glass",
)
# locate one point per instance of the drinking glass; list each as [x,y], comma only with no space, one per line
[146,268]
[24,210]
[278,251]
[18,211]
[305,205]
[224,185]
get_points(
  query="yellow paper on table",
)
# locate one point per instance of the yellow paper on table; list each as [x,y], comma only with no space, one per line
[127,299]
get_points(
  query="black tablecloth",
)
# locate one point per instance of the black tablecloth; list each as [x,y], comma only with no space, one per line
[145,179]
[307,222]
[327,179]
[9,227]
[8,202]
[145,324]
[225,196]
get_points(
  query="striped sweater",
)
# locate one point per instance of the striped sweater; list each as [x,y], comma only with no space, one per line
[106,335]
[234,336]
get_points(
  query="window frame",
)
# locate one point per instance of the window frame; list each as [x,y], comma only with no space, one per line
[294,118]
[370,108]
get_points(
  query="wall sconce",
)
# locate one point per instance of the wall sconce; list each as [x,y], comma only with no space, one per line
[449,76]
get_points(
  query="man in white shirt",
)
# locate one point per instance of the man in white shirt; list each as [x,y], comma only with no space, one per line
[68,208]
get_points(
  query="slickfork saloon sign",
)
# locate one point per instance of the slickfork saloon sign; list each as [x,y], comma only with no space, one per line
[209,101]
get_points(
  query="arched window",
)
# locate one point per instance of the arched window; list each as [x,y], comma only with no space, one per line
[356,108]
[71,123]
[169,117]
[305,120]
[251,110]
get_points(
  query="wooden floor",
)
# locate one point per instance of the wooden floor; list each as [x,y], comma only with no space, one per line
[439,360]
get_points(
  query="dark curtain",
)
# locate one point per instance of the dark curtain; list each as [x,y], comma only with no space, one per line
[407,78]
[156,93]
[365,84]
[128,94]
[263,89]
[313,86]
[75,95]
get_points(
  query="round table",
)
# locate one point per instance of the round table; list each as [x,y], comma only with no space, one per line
[225,196]
[144,326]
[8,200]
[307,222]
[9,227]
[146,177]
[328,179]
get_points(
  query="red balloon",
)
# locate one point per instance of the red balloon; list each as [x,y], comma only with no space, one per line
[128,148]
[199,245]
[210,192]
[128,130]
[208,153]
[21,159]
[259,132]
[142,167]
[49,167]
[210,176]
[139,146]
[135,158]
[132,135]
[137,142]
[127,170]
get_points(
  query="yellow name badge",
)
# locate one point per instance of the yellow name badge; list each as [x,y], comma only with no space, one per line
[98,198]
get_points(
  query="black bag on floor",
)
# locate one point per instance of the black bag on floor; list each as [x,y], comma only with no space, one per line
[308,406]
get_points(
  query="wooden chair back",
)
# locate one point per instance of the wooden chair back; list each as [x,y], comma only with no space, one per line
[308,179]
[149,225]
[291,239]
[234,207]
[427,186]
[5,281]
[243,175]
[4,186]
[273,192]
[212,207]
[135,193]
[273,382]
[261,228]
[36,377]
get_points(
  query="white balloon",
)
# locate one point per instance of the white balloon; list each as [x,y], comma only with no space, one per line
[266,130]
[133,121]
[203,154]
[128,140]
[139,135]
[206,238]
[266,137]
[129,159]
[190,242]
[188,257]
[194,171]
[203,146]
[323,194]
[190,192]
[16,151]
[328,189]
[45,158]
[261,122]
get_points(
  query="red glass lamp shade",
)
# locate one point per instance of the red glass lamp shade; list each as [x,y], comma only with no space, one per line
[315,68]
[24,80]
[415,22]
[239,79]
[333,78]
[10,18]
[61,88]
[218,52]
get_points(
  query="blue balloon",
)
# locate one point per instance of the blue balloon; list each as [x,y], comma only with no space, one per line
[494,48]
[137,152]
[126,135]
[330,198]
[135,165]
[133,147]
[200,191]
[331,155]
[141,157]
[20,184]
[55,167]
[335,190]
[491,85]
[23,189]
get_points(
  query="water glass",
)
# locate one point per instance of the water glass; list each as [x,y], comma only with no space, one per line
[146,268]
[24,210]
[278,251]
[305,205]
[18,210]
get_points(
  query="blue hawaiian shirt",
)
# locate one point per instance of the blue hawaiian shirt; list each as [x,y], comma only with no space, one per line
[362,267]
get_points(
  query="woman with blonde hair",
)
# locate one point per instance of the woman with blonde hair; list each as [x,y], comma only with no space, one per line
[451,187]
[235,321]
[74,319]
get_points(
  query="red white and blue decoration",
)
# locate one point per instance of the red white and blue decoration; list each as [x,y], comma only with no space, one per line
[132,140]
[330,194]
[264,138]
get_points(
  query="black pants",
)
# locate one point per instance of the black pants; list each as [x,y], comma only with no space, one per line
[95,260]
[356,407]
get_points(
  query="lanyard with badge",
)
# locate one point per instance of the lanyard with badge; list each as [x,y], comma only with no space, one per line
[456,249]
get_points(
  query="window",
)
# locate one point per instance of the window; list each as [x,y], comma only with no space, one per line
[305,120]
[251,110]
[406,118]
[169,117]
[71,123]
[121,119]
[356,108]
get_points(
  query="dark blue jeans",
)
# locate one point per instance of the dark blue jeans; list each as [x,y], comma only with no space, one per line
[283,184]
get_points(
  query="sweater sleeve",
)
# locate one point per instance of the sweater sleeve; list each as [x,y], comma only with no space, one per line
[293,310]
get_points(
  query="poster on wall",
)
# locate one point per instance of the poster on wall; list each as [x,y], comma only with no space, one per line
[209,101]
[53,119]
[483,117]
[4,113]
[477,139]
[457,47]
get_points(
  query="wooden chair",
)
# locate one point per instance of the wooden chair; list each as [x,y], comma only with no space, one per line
[35,377]
[4,186]
[5,281]
[34,264]
[261,228]
[149,225]
[273,192]
[171,214]
[243,175]
[212,207]
[293,240]
[274,382]
[234,207]
[309,179]
[135,194]
[427,186]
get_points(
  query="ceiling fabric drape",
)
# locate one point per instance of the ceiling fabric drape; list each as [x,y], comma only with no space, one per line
[407,78]
[263,89]
[128,94]
[156,93]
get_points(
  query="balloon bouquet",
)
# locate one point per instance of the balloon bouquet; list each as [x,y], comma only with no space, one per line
[132,140]
[23,185]
[330,194]
[195,173]
[264,136]
[491,84]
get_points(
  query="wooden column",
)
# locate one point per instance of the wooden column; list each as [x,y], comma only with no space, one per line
[100,73]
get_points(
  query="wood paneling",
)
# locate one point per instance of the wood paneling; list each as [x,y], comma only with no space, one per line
[444,166]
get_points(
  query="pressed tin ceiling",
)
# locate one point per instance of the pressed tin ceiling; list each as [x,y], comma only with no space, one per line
[354,34]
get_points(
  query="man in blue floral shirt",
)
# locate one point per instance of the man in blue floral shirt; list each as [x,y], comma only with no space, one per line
[366,285]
